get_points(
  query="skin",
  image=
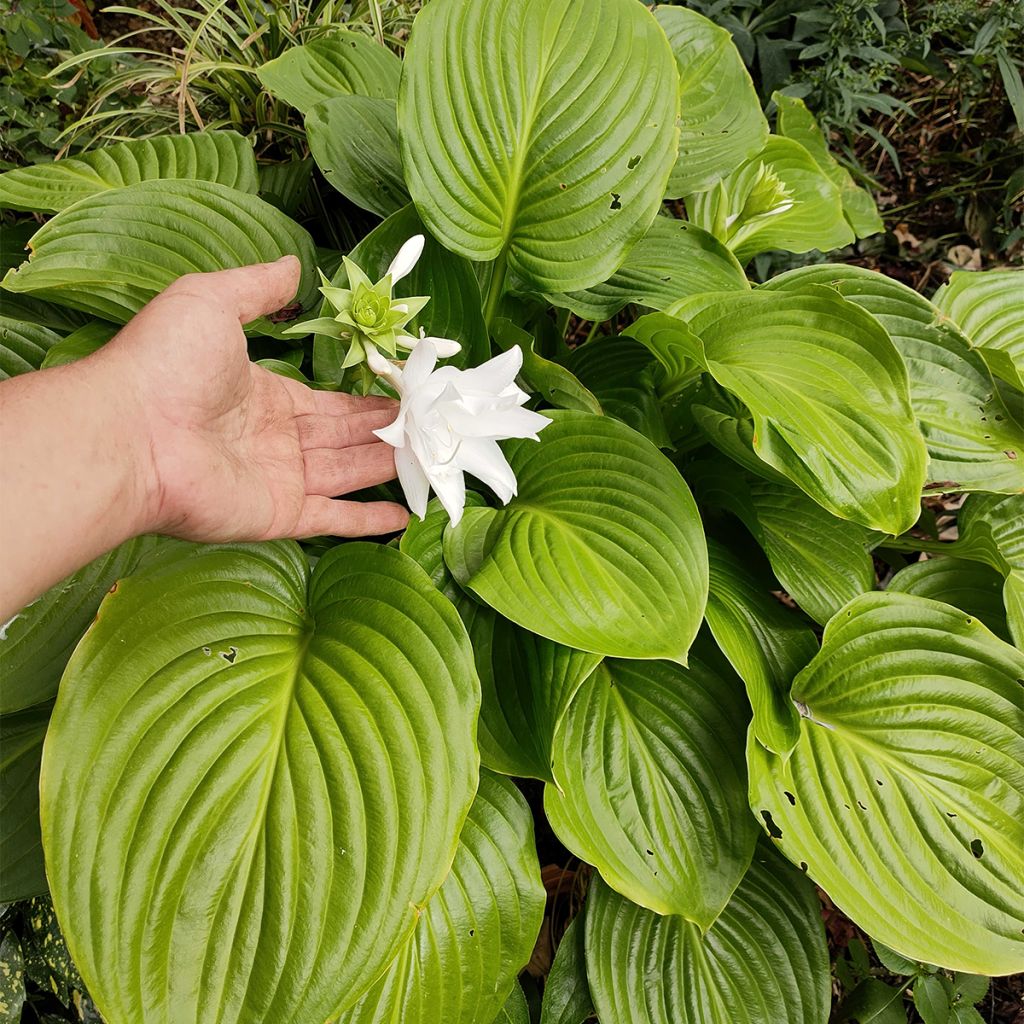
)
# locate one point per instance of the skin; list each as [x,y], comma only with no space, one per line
[170,429]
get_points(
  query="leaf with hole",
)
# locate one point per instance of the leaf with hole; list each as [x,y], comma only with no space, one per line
[602,549]
[974,440]
[764,958]
[521,122]
[354,140]
[292,760]
[905,792]
[224,157]
[111,253]
[649,785]
[478,930]
[673,260]
[337,64]
[721,122]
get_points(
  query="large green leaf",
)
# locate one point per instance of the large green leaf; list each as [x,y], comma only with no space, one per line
[970,586]
[333,65]
[221,156]
[988,306]
[822,562]
[36,643]
[23,346]
[904,795]
[778,199]
[526,683]
[673,260]
[252,784]
[827,389]
[974,441]
[721,119]
[354,140]
[111,253]
[478,930]
[21,851]
[649,785]
[992,531]
[765,643]
[454,307]
[796,122]
[764,961]
[539,131]
[602,550]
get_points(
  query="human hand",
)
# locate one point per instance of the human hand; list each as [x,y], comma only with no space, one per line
[233,452]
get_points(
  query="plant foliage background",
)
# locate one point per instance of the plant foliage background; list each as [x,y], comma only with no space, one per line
[749,637]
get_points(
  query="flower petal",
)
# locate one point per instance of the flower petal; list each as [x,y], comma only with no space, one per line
[418,367]
[415,485]
[484,459]
[446,348]
[450,487]
[495,375]
[405,259]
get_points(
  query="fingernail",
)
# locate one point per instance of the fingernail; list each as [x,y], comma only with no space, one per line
[285,259]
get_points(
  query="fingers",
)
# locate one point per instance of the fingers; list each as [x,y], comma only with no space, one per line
[319,431]
[331,471]
[324,516]
[248,292]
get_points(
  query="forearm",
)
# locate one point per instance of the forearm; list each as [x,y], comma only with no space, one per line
[75,473]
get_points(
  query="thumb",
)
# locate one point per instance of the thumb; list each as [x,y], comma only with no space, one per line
[252,291]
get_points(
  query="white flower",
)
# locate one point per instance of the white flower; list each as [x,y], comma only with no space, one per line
[450,422]
[406,258]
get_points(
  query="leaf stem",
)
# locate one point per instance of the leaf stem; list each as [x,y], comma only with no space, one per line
[495,287]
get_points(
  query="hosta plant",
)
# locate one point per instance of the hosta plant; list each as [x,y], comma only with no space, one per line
[271,782]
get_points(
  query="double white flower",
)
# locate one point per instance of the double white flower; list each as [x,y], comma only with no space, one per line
[449,423]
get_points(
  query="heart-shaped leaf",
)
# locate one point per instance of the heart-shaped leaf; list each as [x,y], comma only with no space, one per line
[21,849]
[778,199]
[334,65]
[673,260]
[987,306]
[23,346]
[766,644]
[973,440]
[904,795]
[826,387]
[222,156]
[970,586]
[354,140]
[602,550]
[721,122]
[540,132]
[764,959]
[111,253]
[992,531]
[244,815]
[36,643]
[649,785]
[478,930]
[796,122]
